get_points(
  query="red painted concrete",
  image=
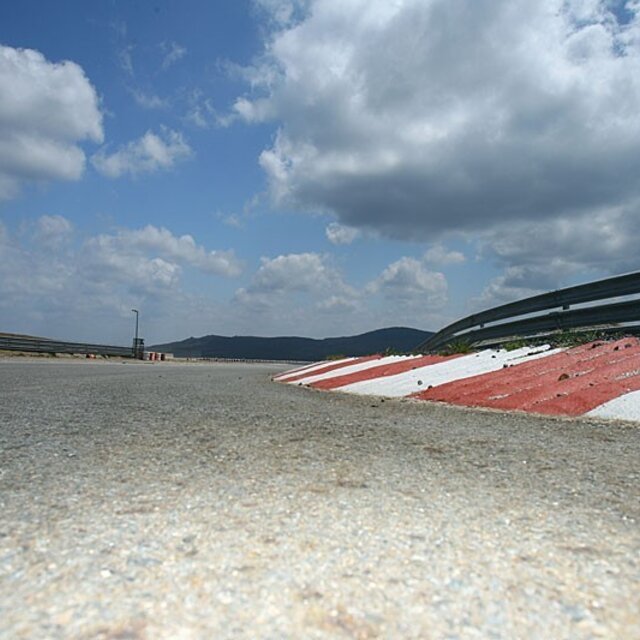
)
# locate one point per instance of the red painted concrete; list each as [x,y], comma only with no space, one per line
[568,383]
[331,367]
[380,371]
[297,370]
[501,382]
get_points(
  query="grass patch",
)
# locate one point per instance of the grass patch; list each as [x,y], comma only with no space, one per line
[457,347]
[512,345]
[577,338]
[565,339]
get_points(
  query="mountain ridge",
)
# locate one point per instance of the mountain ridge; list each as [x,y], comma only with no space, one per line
[401,339]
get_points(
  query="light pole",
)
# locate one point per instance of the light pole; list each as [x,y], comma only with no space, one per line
[136,348]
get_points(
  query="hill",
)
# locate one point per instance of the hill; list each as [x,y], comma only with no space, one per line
[399,339]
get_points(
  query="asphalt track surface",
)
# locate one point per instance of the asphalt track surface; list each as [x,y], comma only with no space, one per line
[204,501]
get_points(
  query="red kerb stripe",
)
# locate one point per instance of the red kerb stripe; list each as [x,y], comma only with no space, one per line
[568,383]
[331,367]
[380,371]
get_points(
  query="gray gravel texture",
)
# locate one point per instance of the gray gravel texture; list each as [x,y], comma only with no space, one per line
[204,501]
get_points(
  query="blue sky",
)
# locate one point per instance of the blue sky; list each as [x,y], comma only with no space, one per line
[312,167]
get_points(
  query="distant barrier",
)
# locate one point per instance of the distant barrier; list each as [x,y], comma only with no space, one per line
[43,345]
[473,329]
[244,360]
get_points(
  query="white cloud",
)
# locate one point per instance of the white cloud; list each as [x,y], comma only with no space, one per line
[173,53]
[252,111]
[409,282]
[296,272]
[126,59]
[107,264]
[340,234]
[279,278]
[553,253]
[148,100]
[161,243]
[202,113]
[283,12]
[27,275]
[339,304]
[415,117]
[606,239]
[232,220]
[516,283]
[57,283]
[148,154]
[54,283]
[53,231]
[46,109]
[306,294]
[302,294]
[150,260]
[440,256]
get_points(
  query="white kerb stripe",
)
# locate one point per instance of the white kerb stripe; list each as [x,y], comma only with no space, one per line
[361,366]
[626,407]
[404,384]
[311,367]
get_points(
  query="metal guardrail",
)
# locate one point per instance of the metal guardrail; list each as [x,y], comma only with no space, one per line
[472,329]
[43,345]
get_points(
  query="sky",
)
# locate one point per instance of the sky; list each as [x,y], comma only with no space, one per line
[309,167]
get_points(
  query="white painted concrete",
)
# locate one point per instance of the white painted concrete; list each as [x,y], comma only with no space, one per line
[626,407]
[310,368]
[420,379]
[361,366]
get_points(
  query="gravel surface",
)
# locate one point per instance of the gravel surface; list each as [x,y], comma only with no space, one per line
[204,501]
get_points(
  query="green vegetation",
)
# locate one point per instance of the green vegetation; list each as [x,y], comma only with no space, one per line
[577,337]
[392,351]
[574,338]
[565,338]
[516,344]
[455,347]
